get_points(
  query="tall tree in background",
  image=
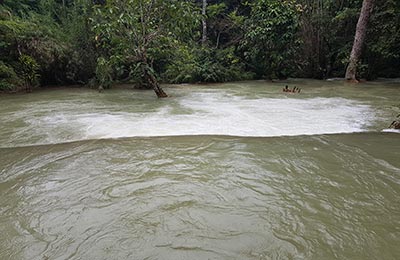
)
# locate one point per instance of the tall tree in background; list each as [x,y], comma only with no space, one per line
[359,39]
[204,22]
[383,53]
[270,42]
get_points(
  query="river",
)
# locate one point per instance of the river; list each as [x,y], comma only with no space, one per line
[225,171]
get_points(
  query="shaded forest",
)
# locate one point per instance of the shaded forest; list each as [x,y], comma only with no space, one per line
[101,42]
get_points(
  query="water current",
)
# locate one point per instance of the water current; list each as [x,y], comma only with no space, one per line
[228,171]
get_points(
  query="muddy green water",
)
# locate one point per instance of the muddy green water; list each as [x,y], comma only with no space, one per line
[232,171]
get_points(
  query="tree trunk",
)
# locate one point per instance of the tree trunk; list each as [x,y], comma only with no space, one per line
[149,81]
[148,77]
[204,22]
[28,87]
[359,39]
[153,83]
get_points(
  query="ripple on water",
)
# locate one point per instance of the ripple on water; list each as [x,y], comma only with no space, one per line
[320,197]
[194,196]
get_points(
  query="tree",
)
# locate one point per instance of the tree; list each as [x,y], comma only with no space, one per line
[270,42]
[359,39]
[204,22]
[383,52]
[103,41]
[132,31]
[29,71]
[225,25]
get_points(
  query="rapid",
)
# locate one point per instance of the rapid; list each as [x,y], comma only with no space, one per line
[225,171]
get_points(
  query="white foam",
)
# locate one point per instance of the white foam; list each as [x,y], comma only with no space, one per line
[391,130]
[213,114]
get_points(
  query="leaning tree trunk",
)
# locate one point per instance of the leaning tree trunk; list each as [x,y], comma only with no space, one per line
[149,81]
[152,82]
[204,23]
[359,39]
[148,77]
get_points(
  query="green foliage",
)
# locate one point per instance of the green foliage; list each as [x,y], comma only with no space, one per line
[80,57]
[8,78]
[383,46]
[81,41]
[21,7]
[215,10]
[59,40]
[271,42]
[5,86]
[104,73]
[6,71]
[139,32]
[28,71]
[205,65]
[225,25]
[327,32]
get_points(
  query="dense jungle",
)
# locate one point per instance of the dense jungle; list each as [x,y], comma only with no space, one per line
[100,43]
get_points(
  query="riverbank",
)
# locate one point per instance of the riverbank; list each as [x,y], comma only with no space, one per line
[290,81]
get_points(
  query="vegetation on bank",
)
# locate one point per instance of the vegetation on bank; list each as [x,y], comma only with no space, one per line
[98,42]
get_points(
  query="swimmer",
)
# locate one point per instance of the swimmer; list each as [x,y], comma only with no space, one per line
[286,89]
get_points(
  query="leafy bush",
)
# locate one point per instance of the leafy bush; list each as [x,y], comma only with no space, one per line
[104,73]
[8,78]
[6,71]
[29,71]
[205,65]
[270,42]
